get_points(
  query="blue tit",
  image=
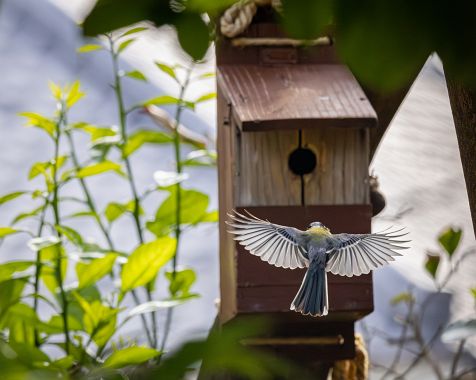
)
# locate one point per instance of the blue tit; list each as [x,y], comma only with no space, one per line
[318,250]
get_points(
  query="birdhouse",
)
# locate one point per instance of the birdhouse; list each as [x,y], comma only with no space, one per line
[293,147]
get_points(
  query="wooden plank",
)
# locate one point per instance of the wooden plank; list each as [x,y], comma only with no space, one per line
[263,176]
[225,149]
[295,97]
[341,175]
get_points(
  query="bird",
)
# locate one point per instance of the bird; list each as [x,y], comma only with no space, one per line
[318,250]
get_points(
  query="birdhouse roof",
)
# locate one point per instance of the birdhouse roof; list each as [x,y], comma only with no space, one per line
[295,96]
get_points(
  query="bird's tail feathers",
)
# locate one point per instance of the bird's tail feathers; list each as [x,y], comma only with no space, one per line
[312,296]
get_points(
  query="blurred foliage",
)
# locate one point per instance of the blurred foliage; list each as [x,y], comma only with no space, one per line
[412,311]
[384,43]
[84,321]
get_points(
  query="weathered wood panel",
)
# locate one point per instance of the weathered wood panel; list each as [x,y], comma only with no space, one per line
[226,163]
[341,175]
[263,175]
[295,97]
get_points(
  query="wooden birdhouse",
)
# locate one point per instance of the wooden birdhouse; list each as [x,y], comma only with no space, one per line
[293,148]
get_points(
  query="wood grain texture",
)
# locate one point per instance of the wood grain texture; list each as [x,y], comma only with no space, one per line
[264,177]
[228,269]
[295,97]
[463,107]
[341,175]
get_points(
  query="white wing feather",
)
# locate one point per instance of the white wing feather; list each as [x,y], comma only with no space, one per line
[356,254]
[278,245]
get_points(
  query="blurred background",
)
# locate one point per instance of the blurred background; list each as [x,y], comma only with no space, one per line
[417,165]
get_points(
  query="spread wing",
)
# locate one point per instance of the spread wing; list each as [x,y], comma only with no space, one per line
[354,254]
[278,245]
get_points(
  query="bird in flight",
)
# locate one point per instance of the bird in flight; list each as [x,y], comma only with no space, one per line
[318,250]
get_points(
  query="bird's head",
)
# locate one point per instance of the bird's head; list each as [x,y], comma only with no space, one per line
[318,226]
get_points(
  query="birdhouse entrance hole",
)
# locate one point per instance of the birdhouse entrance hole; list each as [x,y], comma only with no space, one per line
[302,161]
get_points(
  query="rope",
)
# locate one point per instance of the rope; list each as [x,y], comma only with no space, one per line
[238,17]
[355,369]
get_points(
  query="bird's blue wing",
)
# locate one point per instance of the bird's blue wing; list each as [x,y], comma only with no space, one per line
[280,246]
[356,254]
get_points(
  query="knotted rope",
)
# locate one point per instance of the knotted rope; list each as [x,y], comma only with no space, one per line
[238,17]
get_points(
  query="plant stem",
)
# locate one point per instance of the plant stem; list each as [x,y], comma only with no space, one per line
[178,167]
[38,266]
[87,194]
[130,174]
[55,207]
[178,196]
[396,359]
[454,364]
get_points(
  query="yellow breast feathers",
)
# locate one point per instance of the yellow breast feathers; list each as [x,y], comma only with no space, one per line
[319,231]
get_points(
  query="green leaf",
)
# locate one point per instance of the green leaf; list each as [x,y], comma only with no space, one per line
[193,35]
[99,320]
[143,136]
[96,132]
[99,168]
[431,264]
[371,41]
[20,320]
[145,262]
[133,31]
[64,362]
[72,235]
[205,97]
[40,121]
[10,293]
[30,355]
[209,6]
[11,196]
[90,273]
[162,100]
[55,90]
[81,214]
[5,231]
[89,47]
[136,74]
[55,324]
[74,94]
[459,330]
[473,292]
[450,239]
[169,70]
[115,210]
[310,23]
[39,168]
[130,356]
[51,255]
[124,45]
[210,217]
[8,269]
[405,297]
[107,16]
[205,76]
[181,282]
[25,215]
[194,206]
